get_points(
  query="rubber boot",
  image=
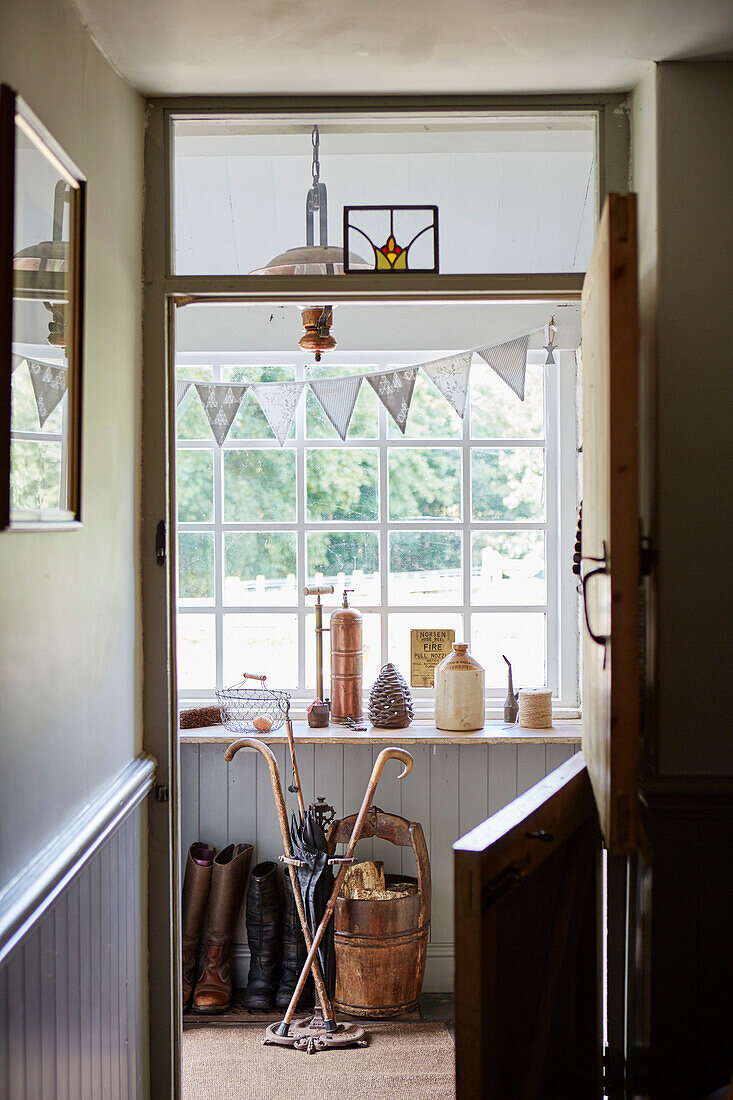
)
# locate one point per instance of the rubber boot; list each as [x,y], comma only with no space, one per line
[196,883]
[213,991]
[294,952]
[263,930]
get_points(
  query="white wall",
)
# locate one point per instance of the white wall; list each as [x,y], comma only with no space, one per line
[682,169]
[70,639]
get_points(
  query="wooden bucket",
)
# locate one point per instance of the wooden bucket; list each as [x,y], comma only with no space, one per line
[381,946]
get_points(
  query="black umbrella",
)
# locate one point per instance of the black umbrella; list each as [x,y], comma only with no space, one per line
[316,883]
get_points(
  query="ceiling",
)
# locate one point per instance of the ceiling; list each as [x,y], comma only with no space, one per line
[169,47]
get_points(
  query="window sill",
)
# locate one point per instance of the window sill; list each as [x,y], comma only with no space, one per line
[564,731]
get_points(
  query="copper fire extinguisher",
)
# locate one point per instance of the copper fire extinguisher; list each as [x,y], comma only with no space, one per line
[346,662]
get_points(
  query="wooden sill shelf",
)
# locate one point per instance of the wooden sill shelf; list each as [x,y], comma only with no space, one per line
[563,732]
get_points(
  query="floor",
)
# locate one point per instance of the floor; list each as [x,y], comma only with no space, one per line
[434,1008]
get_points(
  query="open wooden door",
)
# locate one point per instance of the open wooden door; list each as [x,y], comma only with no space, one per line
[610,531]
[528,1022]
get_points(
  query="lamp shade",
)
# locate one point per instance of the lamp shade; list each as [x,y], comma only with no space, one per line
[311,260]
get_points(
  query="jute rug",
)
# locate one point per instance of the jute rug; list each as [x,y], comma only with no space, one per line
[405,1061]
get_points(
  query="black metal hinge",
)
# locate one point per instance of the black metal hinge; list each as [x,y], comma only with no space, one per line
[161,792]
[160,543]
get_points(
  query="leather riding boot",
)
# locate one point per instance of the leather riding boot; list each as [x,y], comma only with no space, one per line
[263,928]
[294,952]
[196,882]
[213,991]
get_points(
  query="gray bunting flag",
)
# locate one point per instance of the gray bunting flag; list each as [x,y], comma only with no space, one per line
[221,401]
[278,401]
[337,397]
[509,360]
[49,386]
[394,389]
[182,387]
[15,362]
[451,376]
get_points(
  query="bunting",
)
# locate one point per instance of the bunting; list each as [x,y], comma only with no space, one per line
[338,396]
[49,386]
[221,401]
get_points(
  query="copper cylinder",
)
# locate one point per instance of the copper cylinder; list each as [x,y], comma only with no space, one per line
[347,658]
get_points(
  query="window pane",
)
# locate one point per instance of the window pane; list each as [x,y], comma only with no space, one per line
[260,569]
[191,422]
[250,421]
[345,559]
[196,662]
[399,627]
[425,568]
[519,635]
[424,483]
[35,475]
[508,567]
[195,486]
[497,412]
[363,424]
[507,483]
[24,409]
[263,644]
[372,648]
[259,485]
[431,417]
[196,568]
[342,484]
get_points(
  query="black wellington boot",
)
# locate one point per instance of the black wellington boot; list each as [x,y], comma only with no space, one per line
[294,952]
[263,932]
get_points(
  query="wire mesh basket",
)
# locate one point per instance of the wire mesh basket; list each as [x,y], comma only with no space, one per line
[253,710]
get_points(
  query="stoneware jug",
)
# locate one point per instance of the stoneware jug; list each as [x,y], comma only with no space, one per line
[459,691]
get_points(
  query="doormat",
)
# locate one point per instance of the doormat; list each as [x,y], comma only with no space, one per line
[413,1061]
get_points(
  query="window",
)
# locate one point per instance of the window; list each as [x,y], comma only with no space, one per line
[458,524]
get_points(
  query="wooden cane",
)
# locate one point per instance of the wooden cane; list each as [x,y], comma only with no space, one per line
[259,746]
[312,959]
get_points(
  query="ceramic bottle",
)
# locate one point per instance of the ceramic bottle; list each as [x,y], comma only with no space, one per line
[459,691]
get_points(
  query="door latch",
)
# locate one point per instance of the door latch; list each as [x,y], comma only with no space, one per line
[160,543]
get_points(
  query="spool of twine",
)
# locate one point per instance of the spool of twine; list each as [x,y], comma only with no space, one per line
[535,708]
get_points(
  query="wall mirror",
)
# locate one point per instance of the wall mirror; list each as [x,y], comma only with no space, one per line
[42,196]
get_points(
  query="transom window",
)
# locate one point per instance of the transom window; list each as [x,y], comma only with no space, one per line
[456,524]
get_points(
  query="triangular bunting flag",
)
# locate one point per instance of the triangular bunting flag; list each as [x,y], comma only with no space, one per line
[49,386]
[15,362]
[509,360]
[221,401]
[278,401]
[337,397]
[182,387]
[394,389]
[450,376]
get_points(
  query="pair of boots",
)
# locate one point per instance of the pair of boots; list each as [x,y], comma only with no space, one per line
[213,886]
[276,944]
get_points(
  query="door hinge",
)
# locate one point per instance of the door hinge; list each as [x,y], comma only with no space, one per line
[160,543]
[648,555]
[161,792]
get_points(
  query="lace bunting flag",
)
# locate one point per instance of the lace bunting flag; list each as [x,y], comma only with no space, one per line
[182,388]
[394,389]
[337,397]
[278,401]
[450,376]
[509,360]
[49,386]
[15,362]
[221,401]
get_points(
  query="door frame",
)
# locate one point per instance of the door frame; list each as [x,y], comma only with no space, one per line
[161,291]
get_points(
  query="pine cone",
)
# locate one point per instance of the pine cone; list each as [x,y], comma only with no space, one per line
[390,701]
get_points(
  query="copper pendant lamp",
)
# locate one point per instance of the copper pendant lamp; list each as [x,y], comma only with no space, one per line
[47,263]
[314,259]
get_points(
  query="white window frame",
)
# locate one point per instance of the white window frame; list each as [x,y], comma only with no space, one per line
[561,493]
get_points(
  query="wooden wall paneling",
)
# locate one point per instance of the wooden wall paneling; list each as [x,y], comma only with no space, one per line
[444,831]
[189,818]
[16,1026]
[105,966]
[4,1037]
[269,841]
[47,1004]
[31,1009]
[122,959]
[94,917]
[502,776]
[306,769]
[416,801]
[73,1023]
[473,786]
[60,994]
[132,840]
[555,755]
[530,766]
[213,795]
[388,797]
[357,769]
[329,775]
[85,991]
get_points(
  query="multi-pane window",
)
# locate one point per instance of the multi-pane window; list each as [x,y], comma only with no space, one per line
[38,454]
[456,524]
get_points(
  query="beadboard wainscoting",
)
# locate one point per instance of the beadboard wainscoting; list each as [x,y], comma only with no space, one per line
[451,789]
[73,983]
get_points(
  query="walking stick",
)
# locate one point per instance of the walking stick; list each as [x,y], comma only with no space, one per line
[266,751]
[283,1029]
